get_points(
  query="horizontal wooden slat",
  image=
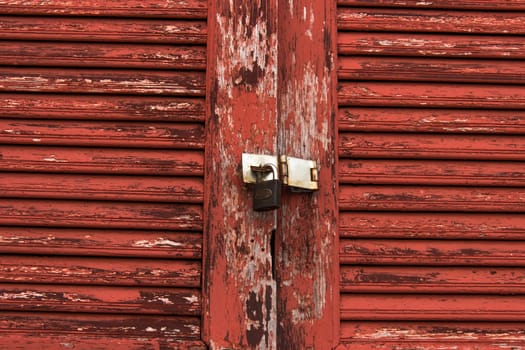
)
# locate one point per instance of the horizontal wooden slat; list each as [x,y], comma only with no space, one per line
[90,242]
[438,280]
[432,335]
[420,198]
[100,187]
[102,134]
[431,69]
[101,108]
[432,120]
[115,8]
[433,252]
[407,20]
[21,326]
[100,271]
[103,30]
[431,172]
[102,55]
[430,45]
[101,160]
[86,81]
[432,146]
[432,307]
[63,298]
[432,225]
[20,212]
[377,94]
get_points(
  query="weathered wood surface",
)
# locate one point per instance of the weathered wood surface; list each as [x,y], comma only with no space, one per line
[79,299]
[508,5]
[240,288]
[431,198]
[433,252]
[461,121]
[431,95]
[100,187]
[392,307]
[431,225]
[89,160]
[437,280]
[102,134]
[102,55]
[415,20]
[431,335]
[135,108]
[191,9]
[431,172]
[306,243]
[83,330]
[431,45]
[103,30]
[93,242]
[431,69]
[94,214]
[99,271]
[87,81]
[432,146]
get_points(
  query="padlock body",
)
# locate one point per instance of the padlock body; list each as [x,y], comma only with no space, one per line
[267,195]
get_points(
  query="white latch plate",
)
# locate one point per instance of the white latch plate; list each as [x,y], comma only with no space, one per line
[299,173]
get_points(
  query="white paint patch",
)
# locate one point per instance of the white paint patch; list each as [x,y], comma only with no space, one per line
[193,299]
[150,329]
[160,242]
[53,158]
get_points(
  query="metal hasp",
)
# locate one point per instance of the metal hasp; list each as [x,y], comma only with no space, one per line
[298,174]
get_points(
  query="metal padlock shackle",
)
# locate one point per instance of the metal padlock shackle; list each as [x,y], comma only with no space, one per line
[262,169]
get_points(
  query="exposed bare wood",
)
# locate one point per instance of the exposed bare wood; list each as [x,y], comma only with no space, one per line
[102,134]
[87,81]
[115,8]
[384,307]
[462,121]
[64,298]
[432,146]
[102,187]
[431,172]
[510,5]
[432,335]
[433,253]
[133,108]
[92,242]
[100,55]
[407,20]
[89,214]
[431,69]
[425,95]
[438,280]
[431,45]
[101,160]
[432,225]
[103,30]
[72,328]
[420,198]
[99,271]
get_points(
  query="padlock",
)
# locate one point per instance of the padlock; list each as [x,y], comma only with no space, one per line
[267,194]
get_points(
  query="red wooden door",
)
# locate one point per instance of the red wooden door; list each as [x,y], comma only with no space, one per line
[102,114]
[431,144]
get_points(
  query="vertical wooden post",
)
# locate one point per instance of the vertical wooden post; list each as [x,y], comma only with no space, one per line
[239,291]
[307,264]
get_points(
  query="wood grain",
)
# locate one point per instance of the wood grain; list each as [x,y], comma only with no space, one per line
[103,215]
[102,30]
[101,242]
[117,8]
[102,134]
